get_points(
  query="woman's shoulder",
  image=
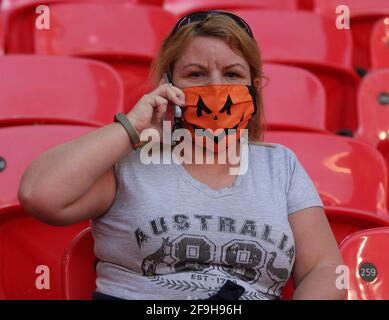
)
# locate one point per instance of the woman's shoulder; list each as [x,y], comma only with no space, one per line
[274,158]
[270,148]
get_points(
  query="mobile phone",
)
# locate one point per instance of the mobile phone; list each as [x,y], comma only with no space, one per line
[177,111]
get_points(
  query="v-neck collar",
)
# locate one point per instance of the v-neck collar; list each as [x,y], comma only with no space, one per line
[216,193]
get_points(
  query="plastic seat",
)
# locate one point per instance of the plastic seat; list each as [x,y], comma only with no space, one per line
[373,99]
[125,35]
[115,30]
[27,244]
[363,16]
[365,253]
[183,7]
[294,99]
[311,41]
[20,145]
[337,166]
[344,223]
[79,273]
[70,90]
[379,44]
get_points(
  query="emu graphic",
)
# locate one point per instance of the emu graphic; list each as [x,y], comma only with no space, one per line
[278,275]
[149,264]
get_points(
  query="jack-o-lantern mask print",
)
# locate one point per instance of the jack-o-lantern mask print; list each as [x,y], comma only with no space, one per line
[218,108]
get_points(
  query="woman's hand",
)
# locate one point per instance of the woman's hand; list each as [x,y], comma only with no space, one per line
[149,111]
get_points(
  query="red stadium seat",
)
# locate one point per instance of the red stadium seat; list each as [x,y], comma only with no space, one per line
[183,7]
[70,90]
[363,16]
[373,99]
[337,166]
[379,44]
[294,99]
[78,269]
[344,223]
[19,145]
[30,250]
[313,42]
[115,30]
[122,34]
[365,253]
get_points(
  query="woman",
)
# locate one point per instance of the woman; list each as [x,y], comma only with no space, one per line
[181,231]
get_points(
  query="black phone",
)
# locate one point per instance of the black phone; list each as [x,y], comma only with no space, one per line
[176,109]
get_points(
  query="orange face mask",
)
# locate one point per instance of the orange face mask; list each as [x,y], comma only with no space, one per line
[218,108]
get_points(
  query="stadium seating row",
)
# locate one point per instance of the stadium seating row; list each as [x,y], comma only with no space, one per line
[39,89]
[332,50]
[84,91]
[90,93]
[329,62]
[130,53]
[338,167]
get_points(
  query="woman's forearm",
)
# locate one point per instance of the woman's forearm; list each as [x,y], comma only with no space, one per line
[65,172]
[320,284]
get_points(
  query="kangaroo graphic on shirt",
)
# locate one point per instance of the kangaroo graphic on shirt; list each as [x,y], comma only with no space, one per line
[149,264]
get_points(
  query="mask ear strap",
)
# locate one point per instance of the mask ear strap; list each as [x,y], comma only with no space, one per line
[253,94]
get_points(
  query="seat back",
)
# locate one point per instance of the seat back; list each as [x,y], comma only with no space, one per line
[20,145]
[70,90]
[344,224]
[311,41]
[292,35]
[294,99]
[365,254]
[114,30]
[32,254]
[379,44]
[78,269]
[373,113]
[364,15]
[344,221]
[337,166]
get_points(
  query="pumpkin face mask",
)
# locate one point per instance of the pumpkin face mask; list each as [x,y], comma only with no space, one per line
[216,108]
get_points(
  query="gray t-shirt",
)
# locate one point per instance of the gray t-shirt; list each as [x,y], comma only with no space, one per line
[170,236]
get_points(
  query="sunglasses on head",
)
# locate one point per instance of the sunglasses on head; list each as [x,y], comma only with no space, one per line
[200,16]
